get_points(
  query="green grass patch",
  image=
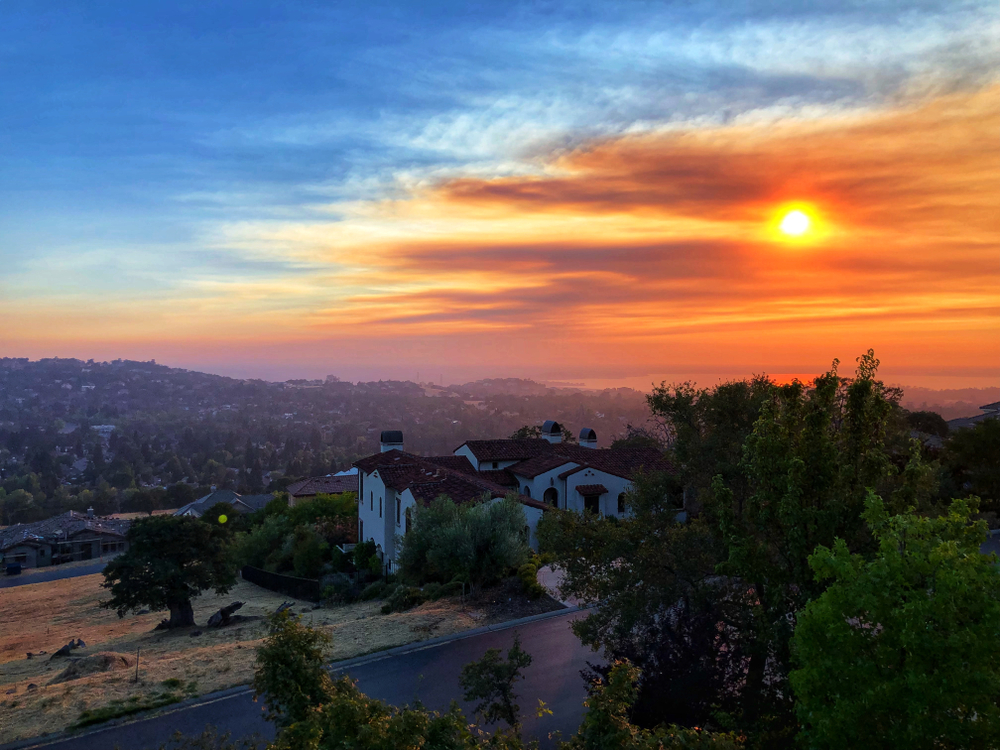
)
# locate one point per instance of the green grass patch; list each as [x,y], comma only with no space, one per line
[118,709]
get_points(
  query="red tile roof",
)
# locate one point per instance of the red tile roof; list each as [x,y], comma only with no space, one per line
[507,450]
[592,489]
[543,463]
[324,486]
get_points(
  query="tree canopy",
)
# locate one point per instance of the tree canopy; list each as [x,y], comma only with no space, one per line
[902,650]
[169,561]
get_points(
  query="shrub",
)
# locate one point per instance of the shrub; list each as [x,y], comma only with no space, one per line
[528,574]
[373,591]
[309,552]
[402,599]
[477,543]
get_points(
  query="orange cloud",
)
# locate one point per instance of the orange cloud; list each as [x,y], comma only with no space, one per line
[654,250]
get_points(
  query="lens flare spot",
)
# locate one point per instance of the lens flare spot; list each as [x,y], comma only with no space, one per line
[223,518]
[795,223]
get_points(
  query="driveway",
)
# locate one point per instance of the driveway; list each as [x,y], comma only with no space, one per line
[52,574]
[429,673]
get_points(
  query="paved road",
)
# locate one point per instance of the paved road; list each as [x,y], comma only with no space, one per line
[55,574]
[430,674]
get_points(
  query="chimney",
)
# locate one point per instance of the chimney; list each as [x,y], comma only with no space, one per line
[552,431]
[391,440]
[90,512]
[588,438]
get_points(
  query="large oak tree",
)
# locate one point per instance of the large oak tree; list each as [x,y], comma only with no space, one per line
[170,560]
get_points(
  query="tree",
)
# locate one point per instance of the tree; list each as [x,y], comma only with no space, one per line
[903,650]
[491,682]
[290,674]
[606,725]
[972,455]
[169,561]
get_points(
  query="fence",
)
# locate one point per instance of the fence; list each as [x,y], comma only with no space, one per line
[298,588]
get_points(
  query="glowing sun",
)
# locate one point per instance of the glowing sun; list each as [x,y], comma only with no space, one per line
[795,223]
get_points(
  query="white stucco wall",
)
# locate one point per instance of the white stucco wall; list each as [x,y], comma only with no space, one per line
[536,486]
[376,499]
[609,501]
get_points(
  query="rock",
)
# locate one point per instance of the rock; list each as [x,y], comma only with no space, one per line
[41,653]
[103,661]
[164,625]
[80,643]
[31,655]
[64,651]
[284,606]
[194,633]
[32,686]
[143,612]
[221,617]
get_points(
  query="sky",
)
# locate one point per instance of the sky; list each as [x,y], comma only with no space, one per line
[581,191]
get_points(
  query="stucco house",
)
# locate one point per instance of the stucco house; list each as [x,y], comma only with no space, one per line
[68,537]
[542,472]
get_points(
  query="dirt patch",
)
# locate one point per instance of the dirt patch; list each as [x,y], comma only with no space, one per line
[103,661]
[508,602]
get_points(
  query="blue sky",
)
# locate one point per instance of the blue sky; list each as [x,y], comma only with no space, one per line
[147,148]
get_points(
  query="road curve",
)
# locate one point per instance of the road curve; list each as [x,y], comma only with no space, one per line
[429,673]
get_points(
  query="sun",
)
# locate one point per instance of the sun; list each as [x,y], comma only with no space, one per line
[795,223]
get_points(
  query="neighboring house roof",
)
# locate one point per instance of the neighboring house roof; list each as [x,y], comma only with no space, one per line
[324,485]
[60,528]
[507,450]
[592,489]
[621,462]
[990,411]
[503,477]
[241,503]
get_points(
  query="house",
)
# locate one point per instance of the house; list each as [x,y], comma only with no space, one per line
[989,411]
[543,473]
[240,503]
[68,537]
[334,484]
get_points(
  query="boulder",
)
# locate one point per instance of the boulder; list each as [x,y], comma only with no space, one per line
[103,661]
[221,618]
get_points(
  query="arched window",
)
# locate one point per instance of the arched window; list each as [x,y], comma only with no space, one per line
[621,503]
[526,491]
[551,496]
[399,505]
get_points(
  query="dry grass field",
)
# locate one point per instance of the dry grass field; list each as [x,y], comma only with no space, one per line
[45,616]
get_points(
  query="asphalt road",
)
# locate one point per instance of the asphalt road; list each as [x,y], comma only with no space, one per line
[55,574]
[429,673]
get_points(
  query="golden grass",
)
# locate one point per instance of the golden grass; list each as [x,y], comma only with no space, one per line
[44,616]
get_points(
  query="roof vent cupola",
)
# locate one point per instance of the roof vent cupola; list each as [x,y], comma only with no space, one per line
[552,431]
[391,440]
[588,438]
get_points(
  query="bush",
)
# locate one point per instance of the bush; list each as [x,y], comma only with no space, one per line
[340,589]
[402,599]
[373,591]
[309,552]
[528,574]
[477,543]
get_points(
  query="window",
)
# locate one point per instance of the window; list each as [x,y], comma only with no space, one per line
[621,503]
[361,530]
[592,504]
[496,464]
[406,526]
[399,507]
[551,496]
[380,507]
[371,500]
[526,491]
